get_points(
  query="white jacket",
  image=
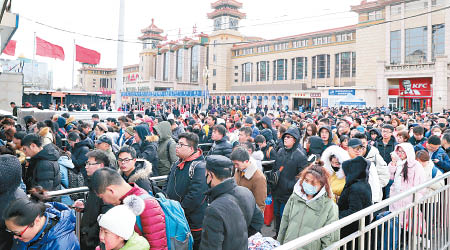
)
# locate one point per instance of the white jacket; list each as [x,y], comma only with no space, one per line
[380,165]
[374,182]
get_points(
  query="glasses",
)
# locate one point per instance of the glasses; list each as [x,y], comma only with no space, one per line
[180,145]
[18,234]
[126,160]
[360,148]
[288,137]
[91,163]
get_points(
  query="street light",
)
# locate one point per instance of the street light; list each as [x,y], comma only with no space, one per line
[205,80]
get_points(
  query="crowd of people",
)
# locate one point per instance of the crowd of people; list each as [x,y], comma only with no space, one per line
[221,166]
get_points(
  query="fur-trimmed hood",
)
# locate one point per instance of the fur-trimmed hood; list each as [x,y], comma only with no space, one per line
[152,138]
[340,153]
[142,170]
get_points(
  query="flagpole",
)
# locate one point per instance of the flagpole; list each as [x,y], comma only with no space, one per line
[73,64]
[32,61]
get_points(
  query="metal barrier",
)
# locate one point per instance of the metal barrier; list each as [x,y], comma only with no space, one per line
[428,215]
[52,194]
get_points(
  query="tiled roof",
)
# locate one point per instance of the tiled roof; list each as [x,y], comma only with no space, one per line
[152,28]
[226,11]
[226,2]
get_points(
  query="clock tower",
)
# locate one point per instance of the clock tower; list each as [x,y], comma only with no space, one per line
[226,14]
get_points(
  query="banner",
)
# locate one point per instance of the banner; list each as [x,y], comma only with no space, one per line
[44,48]
[415,88]
[168,93]
[85,55]
[10,48]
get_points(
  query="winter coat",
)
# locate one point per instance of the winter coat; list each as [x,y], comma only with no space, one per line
[89,229]
[79,157]
[428,169]
[440,154]
[136,242]
[373,155]
[221,147]
[190,192]
[177,131]
[266,120]
[112,158]
[257,157]
[302,216]
[147,148]
[357,193]
[316,146]
[415,142]
[386,150]
[6,197]
[231,214]
[140,175]
[44,169]
[60,236]
[337,179]
[166,154]
[253,179]
[152,220]
[416,176]
[47,137]
[289,163]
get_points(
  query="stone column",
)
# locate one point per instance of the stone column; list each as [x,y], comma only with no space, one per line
[381,85]
[440,85]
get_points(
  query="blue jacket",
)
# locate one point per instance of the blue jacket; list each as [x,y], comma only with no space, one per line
[440,154]
[60,236]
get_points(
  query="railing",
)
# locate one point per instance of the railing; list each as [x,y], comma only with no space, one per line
[428,214]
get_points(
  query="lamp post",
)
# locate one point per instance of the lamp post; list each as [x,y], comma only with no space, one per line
[119,78]
[205,80]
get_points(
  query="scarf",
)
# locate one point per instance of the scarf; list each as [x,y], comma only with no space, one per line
[190,158]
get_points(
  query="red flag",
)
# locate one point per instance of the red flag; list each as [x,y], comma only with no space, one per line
[44,48]
[87,55]
[10,48]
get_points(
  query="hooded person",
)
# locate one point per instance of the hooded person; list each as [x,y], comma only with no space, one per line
[166,147]
[316,146]
[266,123]
[10,177]
[290,162]
[117,226]
[332,158]
[407,173]
[146,146]
[356,194]
[326,137]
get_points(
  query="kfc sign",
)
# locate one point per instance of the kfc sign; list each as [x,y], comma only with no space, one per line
[415,88]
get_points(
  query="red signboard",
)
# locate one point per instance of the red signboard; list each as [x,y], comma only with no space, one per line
[415,88]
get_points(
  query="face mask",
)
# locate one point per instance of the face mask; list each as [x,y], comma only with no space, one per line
[309,189]
[437,133]
[336,169]
[196,130]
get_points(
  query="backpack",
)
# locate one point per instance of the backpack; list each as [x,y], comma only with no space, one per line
[76,179]
[178,233]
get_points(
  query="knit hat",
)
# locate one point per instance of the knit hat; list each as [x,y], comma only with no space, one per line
[130,130]
[219,164]
[120,220]
[10,173]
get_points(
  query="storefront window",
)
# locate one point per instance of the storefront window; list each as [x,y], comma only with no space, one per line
[395,47]
[438,42]
[416,45]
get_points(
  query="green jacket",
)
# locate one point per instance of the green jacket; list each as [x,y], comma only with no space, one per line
[300,218]
[136,242]
[165,161]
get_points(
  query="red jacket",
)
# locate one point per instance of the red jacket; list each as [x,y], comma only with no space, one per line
[152,220]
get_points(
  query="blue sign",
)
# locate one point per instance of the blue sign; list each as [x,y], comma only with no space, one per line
[341,92]
[168,93]
[324,102]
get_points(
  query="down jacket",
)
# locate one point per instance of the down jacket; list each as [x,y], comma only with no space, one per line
[140,175]
[147,148]
[231,213]
[289,163]
[166,157]
[44,169]
[221,147]
[152,219]
[302,216]
[79,152]
[60,236]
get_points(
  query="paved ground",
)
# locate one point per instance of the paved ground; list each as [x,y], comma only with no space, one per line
[268,231]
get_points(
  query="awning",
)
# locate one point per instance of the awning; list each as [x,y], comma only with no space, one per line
[223,97]
[248,97]
[286,97]
[232,97]
[254,97]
